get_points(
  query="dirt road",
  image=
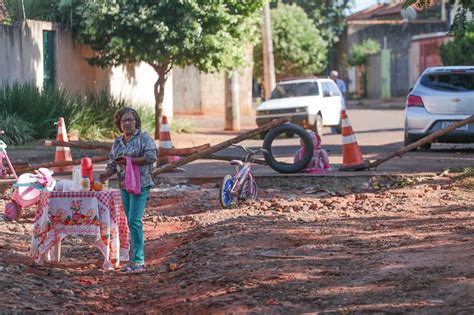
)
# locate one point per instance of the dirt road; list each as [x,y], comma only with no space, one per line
[406,249]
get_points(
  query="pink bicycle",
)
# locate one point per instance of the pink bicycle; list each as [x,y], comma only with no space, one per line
[4,155]
[241,185]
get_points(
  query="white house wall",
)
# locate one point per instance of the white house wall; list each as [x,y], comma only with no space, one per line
[21,52]
[21,61]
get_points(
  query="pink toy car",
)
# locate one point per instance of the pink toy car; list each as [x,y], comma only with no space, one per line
[27,190]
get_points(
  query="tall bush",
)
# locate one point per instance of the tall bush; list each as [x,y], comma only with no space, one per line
[41,109]
[93,116]
[459,52]
[26,113]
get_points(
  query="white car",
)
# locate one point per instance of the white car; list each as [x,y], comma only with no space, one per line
[440,97]
[311,103]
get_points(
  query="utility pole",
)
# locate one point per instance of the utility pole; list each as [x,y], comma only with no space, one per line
[232,102]
[267,44]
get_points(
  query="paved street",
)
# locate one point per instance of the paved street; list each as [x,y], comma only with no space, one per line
[378,131]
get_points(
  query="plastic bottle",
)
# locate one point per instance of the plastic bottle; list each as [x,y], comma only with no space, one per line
[76,178]
[86,169]
[85,183]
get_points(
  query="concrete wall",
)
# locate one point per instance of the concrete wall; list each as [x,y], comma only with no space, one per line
[424,53]
[397,37]
[414,68]
[374,74]
[21,52]
[21,60]
[195,92]
[73,73]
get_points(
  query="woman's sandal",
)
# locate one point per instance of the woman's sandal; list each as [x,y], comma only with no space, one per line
[134,269]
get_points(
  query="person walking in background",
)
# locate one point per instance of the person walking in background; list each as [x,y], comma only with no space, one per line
[140,149]
[340,83]
[342,87]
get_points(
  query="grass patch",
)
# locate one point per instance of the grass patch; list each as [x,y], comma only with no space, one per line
[467,179]
[182,125]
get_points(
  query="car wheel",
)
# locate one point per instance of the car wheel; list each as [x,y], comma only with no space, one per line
[283,167]
[425,147]
[318,124]
[407,140]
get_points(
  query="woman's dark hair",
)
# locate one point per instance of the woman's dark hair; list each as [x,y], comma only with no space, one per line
[123,111]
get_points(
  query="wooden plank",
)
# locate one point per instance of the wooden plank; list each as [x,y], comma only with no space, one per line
[220,146]
[429,138]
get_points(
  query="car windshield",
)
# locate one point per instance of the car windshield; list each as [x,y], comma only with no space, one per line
[453,81]
[295,90]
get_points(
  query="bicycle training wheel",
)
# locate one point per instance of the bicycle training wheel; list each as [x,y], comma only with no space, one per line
[225,197]
[283,167]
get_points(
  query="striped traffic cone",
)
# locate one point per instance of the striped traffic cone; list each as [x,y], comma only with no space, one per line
[62,153]
[165,143]
[351,155]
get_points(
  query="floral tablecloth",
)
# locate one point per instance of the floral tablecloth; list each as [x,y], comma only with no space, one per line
[98,213]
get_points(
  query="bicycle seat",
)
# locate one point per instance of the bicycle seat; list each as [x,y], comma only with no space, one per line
[236,162]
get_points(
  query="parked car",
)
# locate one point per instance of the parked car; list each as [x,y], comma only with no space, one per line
[312,103]
[440,97]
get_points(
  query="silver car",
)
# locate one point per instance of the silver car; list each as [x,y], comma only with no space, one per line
[440,97]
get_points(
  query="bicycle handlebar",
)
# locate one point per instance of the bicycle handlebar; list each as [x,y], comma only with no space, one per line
[250,151]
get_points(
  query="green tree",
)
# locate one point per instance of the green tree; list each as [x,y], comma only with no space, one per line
[59,11]
[31,9]
[454,53]
[361,52]
[360,56]
[327,15]
[459,26]
[298,48]
[211,35]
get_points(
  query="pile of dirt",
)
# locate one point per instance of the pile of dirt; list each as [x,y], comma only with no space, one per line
[393,250]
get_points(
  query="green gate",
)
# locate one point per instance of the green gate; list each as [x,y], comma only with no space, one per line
[48,59]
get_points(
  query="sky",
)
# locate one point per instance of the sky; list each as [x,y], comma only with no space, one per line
[362,4]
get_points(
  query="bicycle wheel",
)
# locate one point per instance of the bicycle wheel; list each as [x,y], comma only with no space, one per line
[283,167]
[245,193]
[225,197]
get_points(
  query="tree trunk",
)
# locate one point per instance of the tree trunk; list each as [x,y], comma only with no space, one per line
[159,90]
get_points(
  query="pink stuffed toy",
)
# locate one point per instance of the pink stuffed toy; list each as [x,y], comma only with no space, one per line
[320,161]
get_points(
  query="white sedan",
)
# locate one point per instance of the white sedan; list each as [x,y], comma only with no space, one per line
[311,103]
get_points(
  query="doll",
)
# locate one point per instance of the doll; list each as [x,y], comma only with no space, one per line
[320,161]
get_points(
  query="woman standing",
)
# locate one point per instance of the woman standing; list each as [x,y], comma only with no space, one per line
[141,148]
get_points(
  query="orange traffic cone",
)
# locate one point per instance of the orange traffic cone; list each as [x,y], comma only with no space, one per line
[62,153]
[351,156]
[165,143]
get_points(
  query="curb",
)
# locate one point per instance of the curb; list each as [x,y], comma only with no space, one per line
[342,181]
[337,182]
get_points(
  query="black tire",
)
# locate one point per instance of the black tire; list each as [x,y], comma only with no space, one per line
[318,124]
[289,134]
[407,140]
[283,167]
[425,147]
[262,134]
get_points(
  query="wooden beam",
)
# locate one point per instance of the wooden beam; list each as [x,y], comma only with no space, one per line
[107,147]
[205,153]
[429,138]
